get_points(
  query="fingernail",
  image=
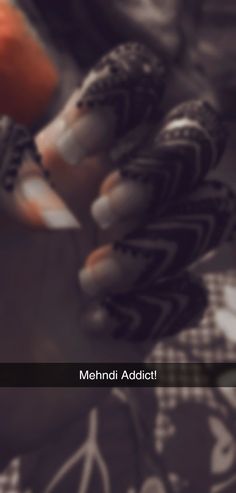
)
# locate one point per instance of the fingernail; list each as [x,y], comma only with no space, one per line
[120,93]
[59,219]
[102,212]
[34,195]
[88,135]
[49,135]
[97,321]
[98,278]
[124,200]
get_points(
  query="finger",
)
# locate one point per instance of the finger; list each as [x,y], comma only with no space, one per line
[188,145]
[121,199]
[202,124]
[164,246]
[25,189]
[160,311]
[121,92]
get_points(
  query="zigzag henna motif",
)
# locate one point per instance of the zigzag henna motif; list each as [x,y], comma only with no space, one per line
[15,141]
[189,229]
[129,82]
[160,311]
[189,144]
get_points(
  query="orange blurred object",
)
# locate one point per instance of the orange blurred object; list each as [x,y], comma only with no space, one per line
[28,78]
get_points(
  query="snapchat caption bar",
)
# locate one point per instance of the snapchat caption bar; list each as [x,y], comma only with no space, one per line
[119,375]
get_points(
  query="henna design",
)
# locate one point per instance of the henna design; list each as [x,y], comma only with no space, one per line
[129,81]
[190,142]
[189,229]
[15,141]
[160,311]
[197,129]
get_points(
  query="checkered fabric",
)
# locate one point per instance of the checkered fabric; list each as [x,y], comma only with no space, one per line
[205,343]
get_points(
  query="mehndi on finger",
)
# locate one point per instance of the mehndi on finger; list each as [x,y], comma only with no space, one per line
[188,230]
[165,245]
[120,93]
[25,189]
[160,311]
[200,115]
[188,145]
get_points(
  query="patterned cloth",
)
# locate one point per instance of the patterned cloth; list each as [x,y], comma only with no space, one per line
[167,440]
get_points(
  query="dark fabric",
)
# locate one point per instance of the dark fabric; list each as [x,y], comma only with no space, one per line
[169,440]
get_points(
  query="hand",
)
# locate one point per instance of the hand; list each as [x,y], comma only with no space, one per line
[153,213]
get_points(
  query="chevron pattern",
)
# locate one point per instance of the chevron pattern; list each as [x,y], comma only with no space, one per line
[15,141]
[193,132]
[158,312]
[129,81]
[189,229]
[190,143]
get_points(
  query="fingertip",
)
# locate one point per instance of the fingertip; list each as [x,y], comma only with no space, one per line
[102,212]
[100,278]
[97,255]
[88,282]
[96,321]
[100,272]
[127,199]
[112,180]
[25,185]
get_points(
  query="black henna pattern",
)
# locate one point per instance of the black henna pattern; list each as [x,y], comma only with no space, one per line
[194,123]
[160,311]
[189,229]
[204,113]
[188,145]
[15,140]
[130,81]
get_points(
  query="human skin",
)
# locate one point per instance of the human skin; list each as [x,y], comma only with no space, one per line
[41,321]
[42,304]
